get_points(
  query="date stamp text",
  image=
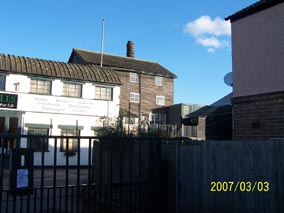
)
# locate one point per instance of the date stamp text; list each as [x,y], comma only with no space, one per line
[241,186]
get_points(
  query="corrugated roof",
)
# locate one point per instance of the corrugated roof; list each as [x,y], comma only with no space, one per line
[122,63]
[47,68]
[254,8]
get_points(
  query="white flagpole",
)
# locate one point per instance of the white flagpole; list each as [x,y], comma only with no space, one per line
[102,49]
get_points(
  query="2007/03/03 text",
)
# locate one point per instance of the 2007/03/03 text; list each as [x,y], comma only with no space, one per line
[242,186]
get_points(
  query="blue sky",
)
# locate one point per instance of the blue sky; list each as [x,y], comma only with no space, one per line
[188,37]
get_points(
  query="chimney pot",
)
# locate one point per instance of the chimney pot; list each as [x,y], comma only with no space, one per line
[130,49]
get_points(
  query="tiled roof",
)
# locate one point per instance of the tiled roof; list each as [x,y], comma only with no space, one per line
[47,68]
[254,8]
[122,63]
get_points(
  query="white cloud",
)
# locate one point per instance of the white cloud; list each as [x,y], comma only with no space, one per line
[209,42]
[211,50]
[212,43]
[207,32]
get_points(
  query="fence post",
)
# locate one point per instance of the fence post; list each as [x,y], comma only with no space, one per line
[178,184]
[155,175]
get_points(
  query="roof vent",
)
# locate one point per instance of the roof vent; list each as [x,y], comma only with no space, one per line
[130,49]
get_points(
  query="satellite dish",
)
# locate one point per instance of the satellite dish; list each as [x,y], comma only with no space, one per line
[228,79]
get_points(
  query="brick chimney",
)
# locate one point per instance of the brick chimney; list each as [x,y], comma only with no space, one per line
[130,49]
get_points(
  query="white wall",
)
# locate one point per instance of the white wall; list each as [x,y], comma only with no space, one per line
[56,110]
[22,81]
[258,49]
[54,103]
[56,120]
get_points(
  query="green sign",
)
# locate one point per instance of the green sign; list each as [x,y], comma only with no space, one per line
[8,101]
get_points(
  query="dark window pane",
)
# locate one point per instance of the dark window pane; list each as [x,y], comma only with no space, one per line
[2,82]
[38,143]
[2,124]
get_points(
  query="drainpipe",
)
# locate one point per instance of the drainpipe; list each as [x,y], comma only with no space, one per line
[139,109]
[128,130]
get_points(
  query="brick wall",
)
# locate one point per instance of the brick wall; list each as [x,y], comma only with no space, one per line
[149,91]
[259,116]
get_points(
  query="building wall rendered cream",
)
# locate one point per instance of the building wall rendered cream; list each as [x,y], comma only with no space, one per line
[258,49]
[57,110]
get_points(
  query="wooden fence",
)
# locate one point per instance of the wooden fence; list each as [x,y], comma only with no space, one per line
[225,176]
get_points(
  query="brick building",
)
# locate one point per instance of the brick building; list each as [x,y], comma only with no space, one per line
[145,84]
[258,65]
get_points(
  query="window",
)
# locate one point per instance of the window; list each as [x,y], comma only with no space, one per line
[72,89]
[2,125]
[159,81]
[186,109]
[2,82]
[37,143]
[158,118]
[129,121]
[160,100]
[104,93]
[134,97]
[133,77]
[72,142]
[40,86]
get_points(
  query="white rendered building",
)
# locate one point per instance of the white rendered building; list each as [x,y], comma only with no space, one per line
[44,97]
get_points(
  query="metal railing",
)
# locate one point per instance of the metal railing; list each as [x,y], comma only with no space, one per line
[101,175]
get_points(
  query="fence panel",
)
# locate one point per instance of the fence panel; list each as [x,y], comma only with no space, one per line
[127,173]
[229,176]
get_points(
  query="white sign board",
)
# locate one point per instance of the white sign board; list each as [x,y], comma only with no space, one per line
[62,105]
[22,178]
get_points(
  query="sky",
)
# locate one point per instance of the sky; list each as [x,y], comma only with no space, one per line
[188,37]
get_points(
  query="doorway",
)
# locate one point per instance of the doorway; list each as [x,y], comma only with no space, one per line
[9,125]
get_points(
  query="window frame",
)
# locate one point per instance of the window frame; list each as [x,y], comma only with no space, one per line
[133,97]
[126,120]
[37,89]
[158,102]
[158,118]
[159,81]
[4,82]
[68,92]
[71,141]
[133,77]
[186,109]
[44,141]
[106,95]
